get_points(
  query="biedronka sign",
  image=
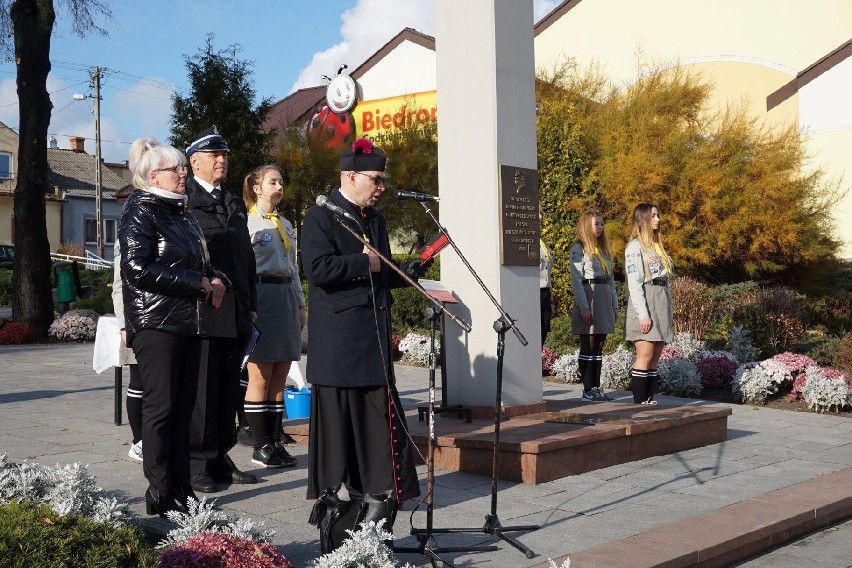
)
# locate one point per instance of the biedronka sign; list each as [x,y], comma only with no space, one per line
[380,119]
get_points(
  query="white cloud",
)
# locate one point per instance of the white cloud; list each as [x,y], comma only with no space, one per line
[372,23]
[365,28]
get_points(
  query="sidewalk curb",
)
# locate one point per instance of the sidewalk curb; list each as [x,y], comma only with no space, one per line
[731,534]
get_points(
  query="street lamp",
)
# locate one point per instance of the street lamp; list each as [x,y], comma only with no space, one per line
[99,213]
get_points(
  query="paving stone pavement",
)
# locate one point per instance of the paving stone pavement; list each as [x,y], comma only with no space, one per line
[55,409]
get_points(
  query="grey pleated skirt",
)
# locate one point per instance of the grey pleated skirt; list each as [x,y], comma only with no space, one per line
[659,302]
[278,322]
[603,317]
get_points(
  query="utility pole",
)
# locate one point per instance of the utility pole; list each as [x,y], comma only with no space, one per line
[99,215]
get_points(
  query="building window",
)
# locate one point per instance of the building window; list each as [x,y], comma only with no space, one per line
[5,165]
[110,231]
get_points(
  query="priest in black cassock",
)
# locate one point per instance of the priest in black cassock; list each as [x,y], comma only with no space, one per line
[358,435]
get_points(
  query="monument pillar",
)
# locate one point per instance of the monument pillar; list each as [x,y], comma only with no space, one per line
[489,194]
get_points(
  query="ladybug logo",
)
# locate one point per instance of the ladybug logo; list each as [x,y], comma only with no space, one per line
[332,128]
[341,94]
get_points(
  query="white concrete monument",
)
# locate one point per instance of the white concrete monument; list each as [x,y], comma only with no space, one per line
[489,195]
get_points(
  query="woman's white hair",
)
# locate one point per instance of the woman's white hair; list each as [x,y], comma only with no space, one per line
[146,155]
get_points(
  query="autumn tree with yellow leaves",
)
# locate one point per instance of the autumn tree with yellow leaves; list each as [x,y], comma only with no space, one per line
[737,200]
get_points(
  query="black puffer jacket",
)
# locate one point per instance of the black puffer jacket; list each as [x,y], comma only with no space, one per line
[162,265]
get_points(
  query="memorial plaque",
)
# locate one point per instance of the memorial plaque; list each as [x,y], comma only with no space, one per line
[519,223]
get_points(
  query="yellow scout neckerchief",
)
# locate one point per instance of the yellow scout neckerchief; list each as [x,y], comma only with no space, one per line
[274,217]
[603,261]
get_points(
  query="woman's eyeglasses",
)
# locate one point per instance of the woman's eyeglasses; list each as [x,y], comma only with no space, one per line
[176,169]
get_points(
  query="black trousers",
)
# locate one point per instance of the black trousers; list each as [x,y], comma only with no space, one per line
[213,429]
[168,367]
[358,436]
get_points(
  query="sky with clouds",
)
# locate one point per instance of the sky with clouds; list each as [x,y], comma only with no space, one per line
[291,43]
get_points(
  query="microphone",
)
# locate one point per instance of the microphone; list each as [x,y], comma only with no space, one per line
[415,195]
[324,201]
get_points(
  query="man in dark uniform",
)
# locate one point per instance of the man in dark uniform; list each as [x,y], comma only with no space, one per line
[357,427]
[222,217]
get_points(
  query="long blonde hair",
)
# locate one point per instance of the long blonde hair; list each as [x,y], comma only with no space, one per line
[588,239]
[642,227]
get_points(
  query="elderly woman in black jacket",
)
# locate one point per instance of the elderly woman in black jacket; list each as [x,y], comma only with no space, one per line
[164,271]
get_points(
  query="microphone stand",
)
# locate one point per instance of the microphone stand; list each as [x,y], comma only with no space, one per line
[501,325]
[426,543]
[392,265]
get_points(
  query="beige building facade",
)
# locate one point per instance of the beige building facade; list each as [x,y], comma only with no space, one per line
[789,62]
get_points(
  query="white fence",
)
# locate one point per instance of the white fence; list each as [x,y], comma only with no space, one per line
[91,261]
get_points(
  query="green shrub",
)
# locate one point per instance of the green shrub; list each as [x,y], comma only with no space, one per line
[409,305]
[560,339]
[776,316]
[100,301]
[844,354]
[5,287]
[834,312]
[36,536]
[824,351]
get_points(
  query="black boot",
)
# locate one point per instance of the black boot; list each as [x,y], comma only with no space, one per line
[639,385]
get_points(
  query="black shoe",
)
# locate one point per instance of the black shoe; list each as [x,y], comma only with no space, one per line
[245,437]
[267,456]
[228,473]
[162,505]
[203,484]
[286,440]
[281,452]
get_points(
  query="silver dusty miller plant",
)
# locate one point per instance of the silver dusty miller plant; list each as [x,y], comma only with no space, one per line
[203,518]
[825,394]
[68,490]
[365,549]
[680,377]
[756,382]
[615,369]
[739,344]
[687,346]
[566,369]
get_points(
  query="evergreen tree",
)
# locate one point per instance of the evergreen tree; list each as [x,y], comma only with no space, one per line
[28,25]
[222,93]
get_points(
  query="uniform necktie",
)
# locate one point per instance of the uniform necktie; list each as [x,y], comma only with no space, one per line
[216,193]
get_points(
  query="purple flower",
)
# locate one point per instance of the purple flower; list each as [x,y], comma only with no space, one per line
[716,372]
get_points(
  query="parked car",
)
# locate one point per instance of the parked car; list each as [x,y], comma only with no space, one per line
[7,253]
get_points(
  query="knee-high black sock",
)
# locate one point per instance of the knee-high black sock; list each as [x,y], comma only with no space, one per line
[241,413]
[275,410]
[597,367]
[258,421]
[653,377]
[639,379]
[134,403]
[584,365]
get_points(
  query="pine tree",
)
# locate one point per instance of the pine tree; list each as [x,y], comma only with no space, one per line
[222,93]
